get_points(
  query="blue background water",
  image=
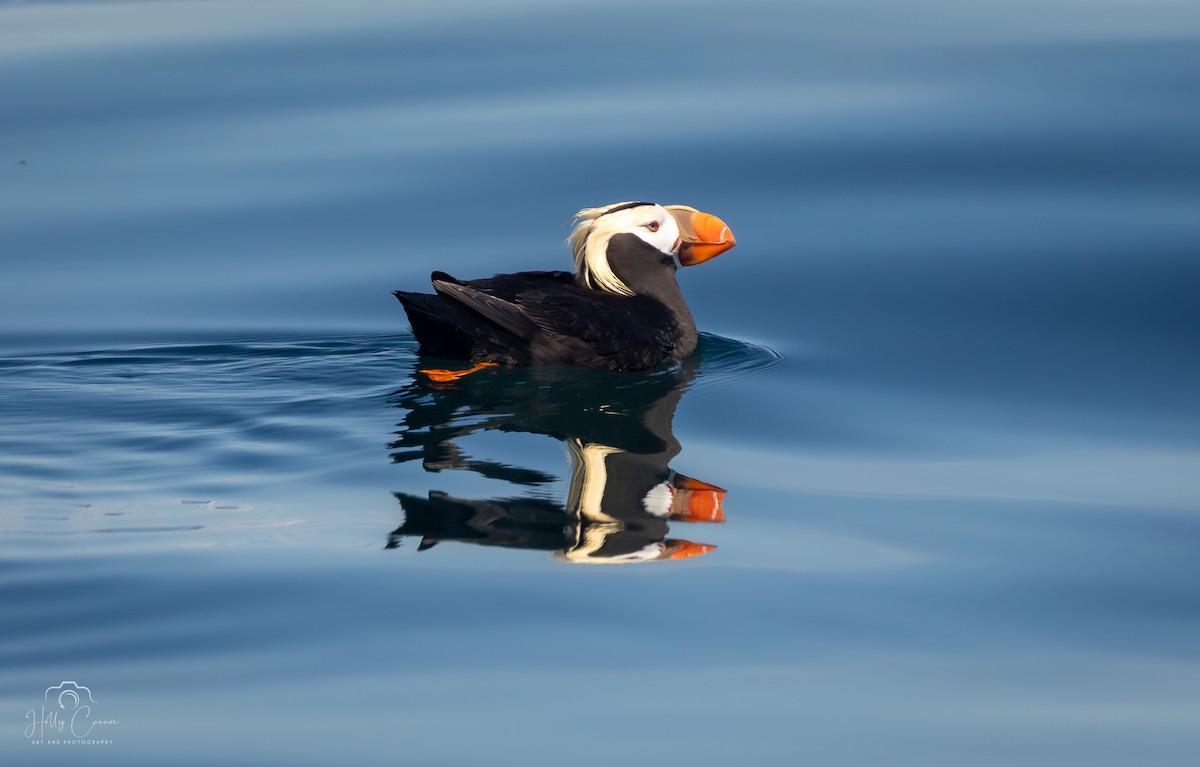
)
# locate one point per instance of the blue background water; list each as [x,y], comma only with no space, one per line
[950,382]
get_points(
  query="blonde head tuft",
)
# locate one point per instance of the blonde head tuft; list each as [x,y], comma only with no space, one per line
[589,246]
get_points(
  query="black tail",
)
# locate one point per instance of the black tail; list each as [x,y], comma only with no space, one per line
[440,325]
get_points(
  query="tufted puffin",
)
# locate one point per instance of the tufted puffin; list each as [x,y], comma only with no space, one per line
[621,309]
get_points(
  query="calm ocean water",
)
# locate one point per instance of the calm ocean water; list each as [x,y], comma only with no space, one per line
[928,495]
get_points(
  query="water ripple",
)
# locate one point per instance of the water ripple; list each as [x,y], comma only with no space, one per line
[729,361]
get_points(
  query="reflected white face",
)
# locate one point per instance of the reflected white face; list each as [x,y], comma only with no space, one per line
[659,500]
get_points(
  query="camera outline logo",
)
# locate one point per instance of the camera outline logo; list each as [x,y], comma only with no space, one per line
[69,697]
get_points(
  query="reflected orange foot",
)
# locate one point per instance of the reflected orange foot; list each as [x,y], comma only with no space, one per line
[445,376]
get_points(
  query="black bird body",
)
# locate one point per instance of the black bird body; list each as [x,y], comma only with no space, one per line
[622,309]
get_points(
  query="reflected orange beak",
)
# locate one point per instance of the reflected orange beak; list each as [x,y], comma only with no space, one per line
[686,549]
[702,235]
[696,501]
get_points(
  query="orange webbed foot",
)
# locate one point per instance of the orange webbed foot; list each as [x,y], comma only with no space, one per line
[445,376]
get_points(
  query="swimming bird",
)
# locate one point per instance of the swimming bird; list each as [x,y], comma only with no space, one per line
[621,309]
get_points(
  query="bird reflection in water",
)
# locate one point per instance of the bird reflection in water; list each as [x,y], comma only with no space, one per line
[622,496]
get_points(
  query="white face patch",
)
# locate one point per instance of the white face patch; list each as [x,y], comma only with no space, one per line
[657,227]
[659,500]
[651,223]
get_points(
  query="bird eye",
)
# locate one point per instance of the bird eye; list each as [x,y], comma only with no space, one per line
[652,226]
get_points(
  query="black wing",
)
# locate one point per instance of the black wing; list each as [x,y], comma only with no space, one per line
[622,331]
[506,314]
[552,320]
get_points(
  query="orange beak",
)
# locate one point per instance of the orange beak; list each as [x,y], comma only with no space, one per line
[678,549]
[702,235]
[696,501]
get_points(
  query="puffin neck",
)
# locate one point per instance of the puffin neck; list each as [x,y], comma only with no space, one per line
[651,273]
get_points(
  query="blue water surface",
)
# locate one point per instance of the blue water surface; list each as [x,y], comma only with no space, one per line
[927,495]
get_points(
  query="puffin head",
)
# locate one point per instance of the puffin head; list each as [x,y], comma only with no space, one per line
[674,235]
